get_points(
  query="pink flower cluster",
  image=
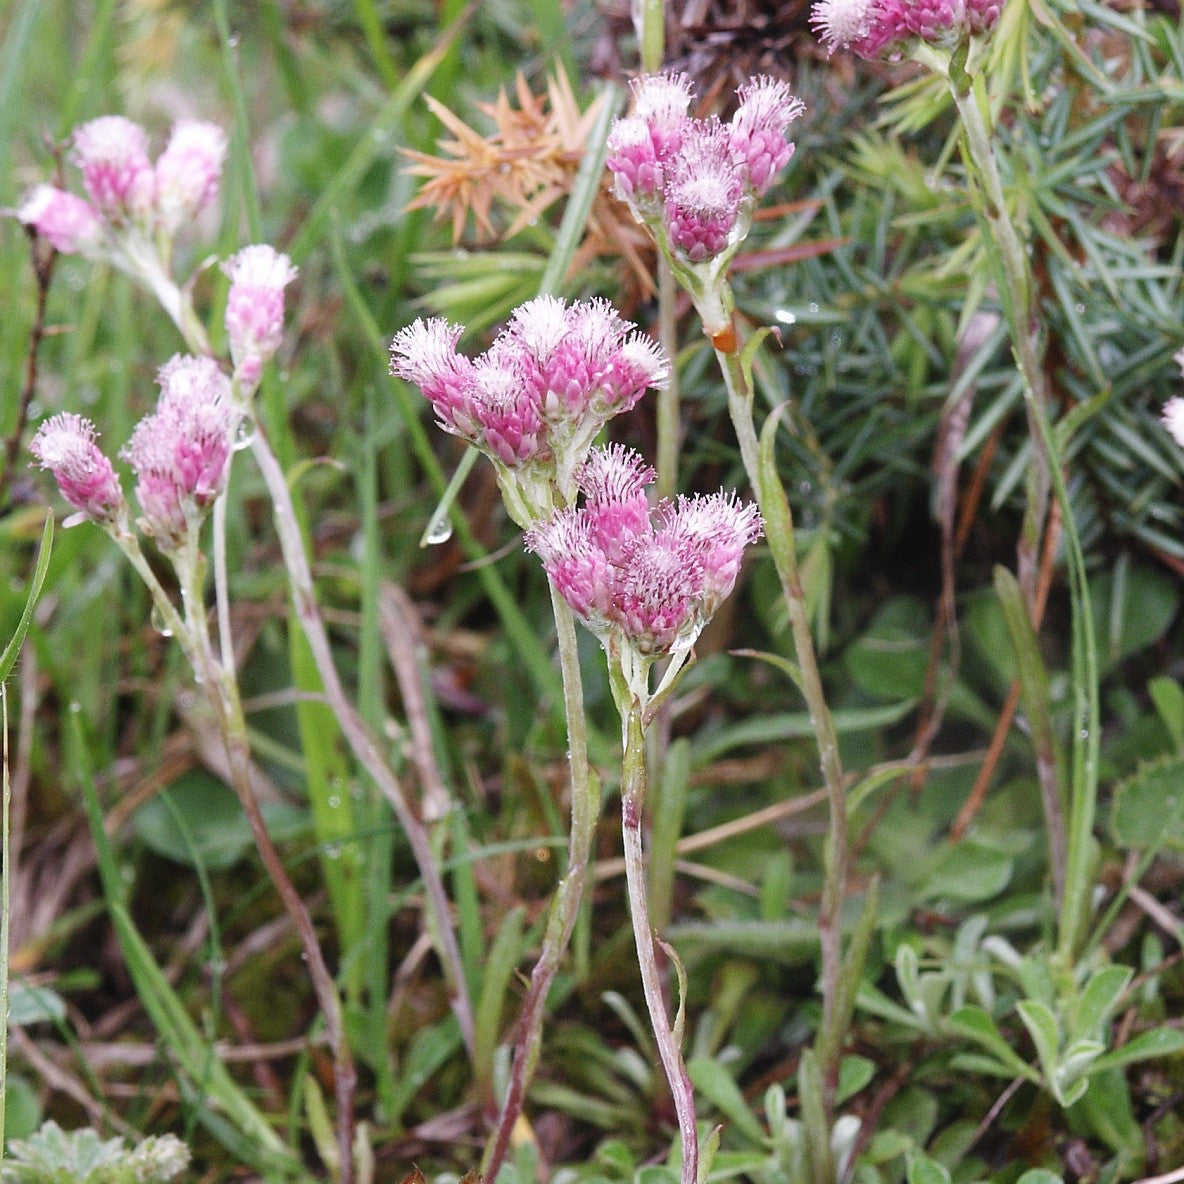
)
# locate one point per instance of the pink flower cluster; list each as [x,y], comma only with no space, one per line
[552,378]
[652,582]
[180,453]
[882,28]
[65,445]
[255,308]
[125,188]
[698,178]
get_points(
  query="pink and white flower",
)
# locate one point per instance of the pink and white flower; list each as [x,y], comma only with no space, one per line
[112,153]
[255,308]
[180,453]
[552,378]
[758,129]
[188,172]
[693,181]
[65,445]
[68,223]
[704,194]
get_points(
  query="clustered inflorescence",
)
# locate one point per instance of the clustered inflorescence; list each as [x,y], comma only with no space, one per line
[179,454]
[129,196]
[536,399]
[643,582]
[884,28]
[694,182]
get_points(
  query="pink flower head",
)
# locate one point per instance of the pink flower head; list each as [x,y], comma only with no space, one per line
[181,452]
[638,366]
[717,529]
[653,589]
[510,426]
[758,129]
[188,172]
[65,445]
[112,153]
[641,145]
[866,27]
[255,307]
[704,194]
[579,366]
[575,564]
[934,20]
[553,377]
[425,353]
[658,593]
[70,224]
[1172,418]
[634,161]
[613,481]
[662,100]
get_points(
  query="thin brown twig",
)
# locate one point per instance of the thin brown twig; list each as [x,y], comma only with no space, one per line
[43,262]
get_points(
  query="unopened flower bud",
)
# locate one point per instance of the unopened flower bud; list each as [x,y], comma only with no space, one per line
[188,172]
[68,223]
[255,307]
[112,153]
[65,445]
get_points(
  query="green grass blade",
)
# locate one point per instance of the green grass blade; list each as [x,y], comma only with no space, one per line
[164,1007]
[13,648]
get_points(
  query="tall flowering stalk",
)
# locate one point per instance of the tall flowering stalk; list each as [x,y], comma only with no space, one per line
[950,38]
[695,184]
[645,588]
[129,218]
[532,404]
[180,455]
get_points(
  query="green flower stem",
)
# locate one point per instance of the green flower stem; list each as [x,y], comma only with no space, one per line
[585,813]
[1010,260]
[364,746]
[634,779]
[1012,263]
[775,510]
[669,417]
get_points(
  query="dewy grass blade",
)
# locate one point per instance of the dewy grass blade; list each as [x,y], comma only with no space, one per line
[567,239]
[523,637]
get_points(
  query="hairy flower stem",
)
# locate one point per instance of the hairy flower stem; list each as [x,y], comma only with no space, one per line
[779,532]
[561,921]
[669,418]
[1010,259]
[634,780]
[357,735]
[222,694]
[353,727]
